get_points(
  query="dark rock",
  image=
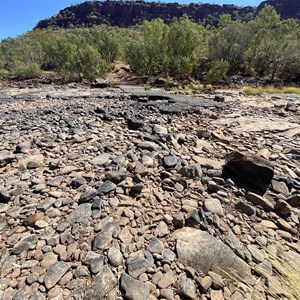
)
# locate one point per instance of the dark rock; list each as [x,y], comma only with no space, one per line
[55,273]
[135,124]
[115,176]
[252,168]
[285,8]
[137,188]
[178,221]
[170,161]
[191,171]
[106,187]
[103,283]
[82,14]
[97,204]
[203,133]
[88,195]
[77,182]
[22,294]
[97,263]
[134,289]
[104,237]
[193,220]
[99,83]
[33,165]
[25,244]
[219,98]
[81,271]
[245,208]
[136,266]
[4,197]
[56,181]
[282,207]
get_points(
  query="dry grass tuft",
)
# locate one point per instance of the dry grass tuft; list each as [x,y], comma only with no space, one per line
[258,91]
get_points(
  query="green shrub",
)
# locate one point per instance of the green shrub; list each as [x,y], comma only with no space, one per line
[22,71]
[186,44]
[146,53]
[74,57]
[218,71]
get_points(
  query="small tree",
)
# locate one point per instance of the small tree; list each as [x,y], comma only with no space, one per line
[186,44]
[147,53]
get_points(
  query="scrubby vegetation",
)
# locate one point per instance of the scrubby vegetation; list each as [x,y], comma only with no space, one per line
[264,47]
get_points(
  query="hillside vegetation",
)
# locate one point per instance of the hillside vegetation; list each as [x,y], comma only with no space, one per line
[265,47]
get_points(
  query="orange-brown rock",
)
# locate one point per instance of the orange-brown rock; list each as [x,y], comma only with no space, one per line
[30,220]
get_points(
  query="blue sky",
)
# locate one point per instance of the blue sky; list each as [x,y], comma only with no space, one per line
[19,16]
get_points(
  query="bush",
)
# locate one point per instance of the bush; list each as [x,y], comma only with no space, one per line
[22,71]
[74,57]
[186,44]
[146,54]
[218,71]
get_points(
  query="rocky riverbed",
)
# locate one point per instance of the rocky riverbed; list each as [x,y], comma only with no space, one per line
[120,193]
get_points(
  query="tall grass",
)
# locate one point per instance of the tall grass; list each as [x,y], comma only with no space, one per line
[270,90]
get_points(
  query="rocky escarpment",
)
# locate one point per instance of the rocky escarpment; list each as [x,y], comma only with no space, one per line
[130,13]
[118,193]
[286,8]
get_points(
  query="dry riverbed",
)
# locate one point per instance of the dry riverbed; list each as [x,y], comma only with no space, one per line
[119,193]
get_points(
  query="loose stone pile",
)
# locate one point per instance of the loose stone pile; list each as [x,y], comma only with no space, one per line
[109,195]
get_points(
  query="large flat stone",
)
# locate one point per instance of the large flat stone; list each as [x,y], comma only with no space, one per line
[201,251]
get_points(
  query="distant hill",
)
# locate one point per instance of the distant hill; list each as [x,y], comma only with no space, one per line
[130,13]
[286,8]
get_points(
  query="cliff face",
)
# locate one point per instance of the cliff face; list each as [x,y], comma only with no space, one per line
[286,8]
[129,13]
[125,14]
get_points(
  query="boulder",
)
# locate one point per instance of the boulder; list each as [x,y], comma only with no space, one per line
[255,169]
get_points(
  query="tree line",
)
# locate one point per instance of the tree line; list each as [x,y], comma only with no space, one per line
[264,47]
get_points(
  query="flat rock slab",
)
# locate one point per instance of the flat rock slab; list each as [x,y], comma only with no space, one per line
[55,273]
[201,251]
[239,124]
[184,101]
